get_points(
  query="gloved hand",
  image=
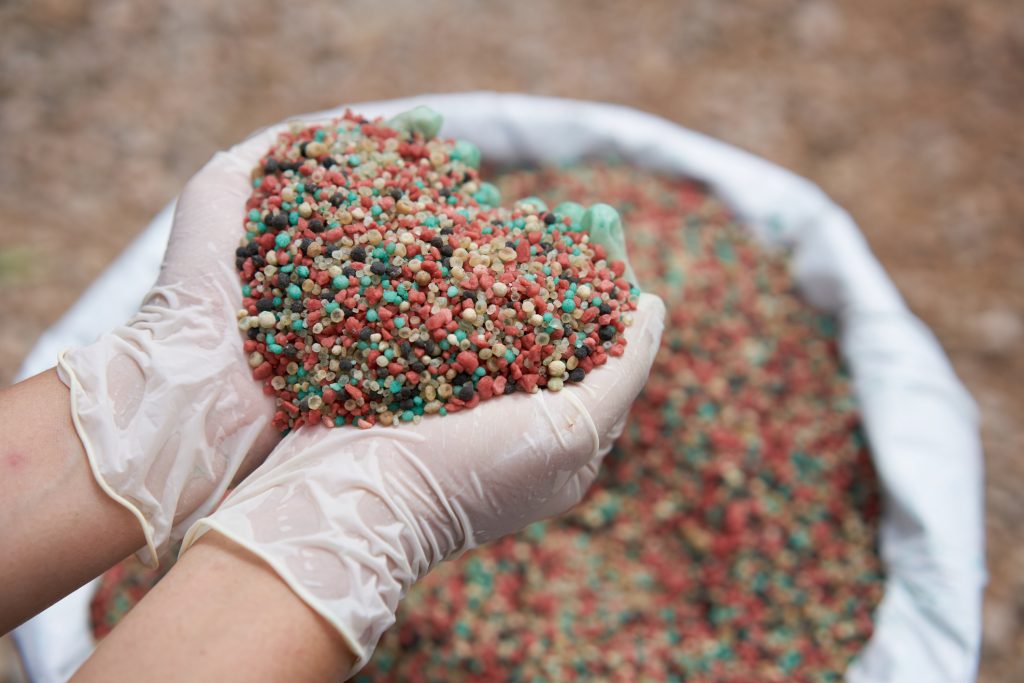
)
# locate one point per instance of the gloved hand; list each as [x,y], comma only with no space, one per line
[165,405]
[351,519]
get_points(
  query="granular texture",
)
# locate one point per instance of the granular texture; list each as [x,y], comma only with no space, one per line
[382,282]
[731,535]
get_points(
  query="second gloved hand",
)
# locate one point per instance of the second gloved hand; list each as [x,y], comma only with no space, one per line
[351,519]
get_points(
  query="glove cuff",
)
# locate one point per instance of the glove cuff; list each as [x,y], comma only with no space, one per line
[83,412]
[360,608]
[165,412]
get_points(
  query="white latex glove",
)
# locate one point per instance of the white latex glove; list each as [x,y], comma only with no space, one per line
[165,405]
[350,519]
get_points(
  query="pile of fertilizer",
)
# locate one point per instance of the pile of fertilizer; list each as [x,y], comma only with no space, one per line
[382,281]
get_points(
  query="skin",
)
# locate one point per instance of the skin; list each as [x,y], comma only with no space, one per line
[220,615]
[57,527]
[59,530]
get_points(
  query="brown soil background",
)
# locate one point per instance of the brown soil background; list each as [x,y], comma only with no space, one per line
[907,113]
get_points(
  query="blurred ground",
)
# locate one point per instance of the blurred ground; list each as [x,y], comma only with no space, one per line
[907,113]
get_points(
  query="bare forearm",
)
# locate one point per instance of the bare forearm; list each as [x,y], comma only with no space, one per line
[58,529]
[220,615]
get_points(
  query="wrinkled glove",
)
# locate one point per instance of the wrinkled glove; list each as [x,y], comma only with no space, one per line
[351,519]
[164,405]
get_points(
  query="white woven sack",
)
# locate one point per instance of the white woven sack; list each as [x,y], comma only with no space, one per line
[921,423]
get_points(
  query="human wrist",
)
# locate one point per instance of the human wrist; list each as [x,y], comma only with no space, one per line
[323,513]
[359,610]
[58,529]
[225,602]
